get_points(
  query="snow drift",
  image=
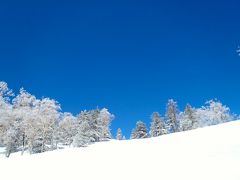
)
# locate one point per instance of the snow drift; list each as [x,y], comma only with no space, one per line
[207,153]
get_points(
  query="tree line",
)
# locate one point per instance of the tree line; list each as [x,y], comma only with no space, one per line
[38,125]
[213,113]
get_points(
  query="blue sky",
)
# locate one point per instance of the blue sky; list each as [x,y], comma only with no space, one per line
[128,56]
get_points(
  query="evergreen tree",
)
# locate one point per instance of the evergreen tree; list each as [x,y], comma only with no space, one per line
[171,116]
[188,119]
[119,134]
[96,128]
[93,126]
[157,125]
[89,128]
[84,134]
[104,120]
[140,131]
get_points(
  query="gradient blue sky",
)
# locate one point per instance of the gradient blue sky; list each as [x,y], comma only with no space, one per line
[128,56]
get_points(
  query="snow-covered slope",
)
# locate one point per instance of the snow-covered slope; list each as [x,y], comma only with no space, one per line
[203,154]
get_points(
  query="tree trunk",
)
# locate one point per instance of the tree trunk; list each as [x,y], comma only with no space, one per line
[23,143]
[8,150]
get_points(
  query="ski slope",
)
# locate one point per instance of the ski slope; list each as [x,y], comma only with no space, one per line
[211,153]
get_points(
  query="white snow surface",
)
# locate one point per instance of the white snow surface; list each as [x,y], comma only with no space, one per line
[204,154]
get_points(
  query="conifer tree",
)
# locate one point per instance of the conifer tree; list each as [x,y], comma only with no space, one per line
[188,119]
[157,125]
[104,121]
[171,116]
[119,134]
[140,131]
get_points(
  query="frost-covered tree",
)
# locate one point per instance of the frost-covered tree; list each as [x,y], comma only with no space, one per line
[67,129]
[213,113]
[140,131]
[48,118]
[119,135]
[12,134]
[96,127]
[5,92]
[84,134]
[9,127]
[171,116]
[23,105]
[93,126]
[11,139]
[88,128]
[6,116]
[157,125]
[104,120]
[37,125]
[188,119]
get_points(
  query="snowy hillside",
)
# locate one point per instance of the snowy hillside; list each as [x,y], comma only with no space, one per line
[207,153]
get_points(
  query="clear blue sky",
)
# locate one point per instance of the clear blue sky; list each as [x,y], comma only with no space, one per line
[128,56]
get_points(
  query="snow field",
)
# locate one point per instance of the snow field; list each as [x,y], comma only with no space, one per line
[204,154]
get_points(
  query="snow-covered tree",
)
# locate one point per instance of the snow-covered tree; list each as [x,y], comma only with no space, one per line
[188,119]
[23,105]
[96,127]
[157,125]
[67,128]
[171,116]
[119,135]
[93,126]
[48,118]
[5,107]
[5,92]
[9,127]
[84,133]
[11,139]
[37,125]
[213,113]
[11,136]
[104,120]
[6,116]
[140,131]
